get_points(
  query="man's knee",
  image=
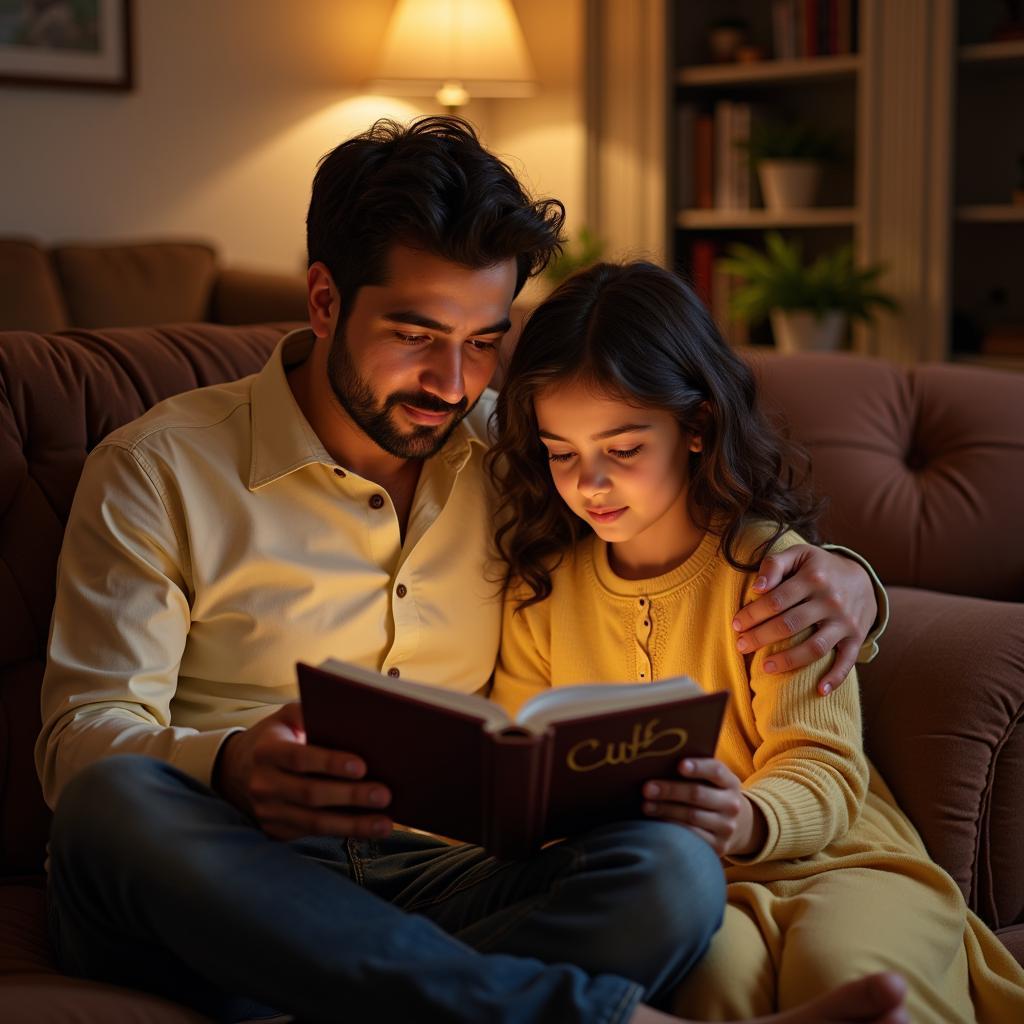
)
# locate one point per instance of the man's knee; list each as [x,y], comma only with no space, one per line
[107,803]
[686,885]
[673,891]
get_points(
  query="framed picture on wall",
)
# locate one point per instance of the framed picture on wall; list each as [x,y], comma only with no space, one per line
[68,43]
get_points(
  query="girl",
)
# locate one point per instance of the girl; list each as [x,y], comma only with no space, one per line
[623,401]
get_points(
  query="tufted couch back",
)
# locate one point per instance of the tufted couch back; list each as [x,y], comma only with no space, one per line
[924,467]
[60,394]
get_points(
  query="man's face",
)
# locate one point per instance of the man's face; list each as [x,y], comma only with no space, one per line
[415,353]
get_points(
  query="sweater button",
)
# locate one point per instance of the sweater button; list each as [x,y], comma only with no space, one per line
[338,471]
[393,672]
[401,590]
[376,501]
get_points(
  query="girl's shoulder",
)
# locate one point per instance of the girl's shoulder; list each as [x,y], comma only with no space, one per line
[565,570]
[760,538]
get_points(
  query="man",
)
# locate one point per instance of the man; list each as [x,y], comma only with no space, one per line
[334,504]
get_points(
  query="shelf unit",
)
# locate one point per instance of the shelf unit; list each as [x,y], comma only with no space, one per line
[987,321]
[823,90]
[928,108]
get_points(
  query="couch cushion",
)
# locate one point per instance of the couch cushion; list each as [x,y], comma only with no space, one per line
[924,467]
[127,285]
[943,703]
[59,396]
[251,297]
[30,298]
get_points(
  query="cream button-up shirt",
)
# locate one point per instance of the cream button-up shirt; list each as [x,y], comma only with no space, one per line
[213,543]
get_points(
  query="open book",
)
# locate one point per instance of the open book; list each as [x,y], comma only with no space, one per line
[456,764]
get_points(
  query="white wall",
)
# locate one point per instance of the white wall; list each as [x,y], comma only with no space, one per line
[234,103]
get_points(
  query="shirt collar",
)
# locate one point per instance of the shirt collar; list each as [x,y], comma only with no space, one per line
[282,439]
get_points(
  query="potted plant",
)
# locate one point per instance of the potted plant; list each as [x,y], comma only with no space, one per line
[808,305]
[788,158]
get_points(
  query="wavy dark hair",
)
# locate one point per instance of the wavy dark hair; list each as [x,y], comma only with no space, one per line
[639,333]
[430,186]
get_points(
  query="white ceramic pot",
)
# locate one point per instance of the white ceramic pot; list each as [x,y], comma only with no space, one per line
[789,184]
[801,331]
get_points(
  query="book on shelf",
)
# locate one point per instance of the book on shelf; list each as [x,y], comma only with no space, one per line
[732,166]
[458,765]
[713,168]
[703,253]
[1003,340]
[704,161]
[813,28]
[686,143]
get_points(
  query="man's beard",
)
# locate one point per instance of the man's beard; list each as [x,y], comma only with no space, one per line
[358,400]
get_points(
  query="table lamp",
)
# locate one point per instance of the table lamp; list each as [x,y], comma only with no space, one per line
[454,49]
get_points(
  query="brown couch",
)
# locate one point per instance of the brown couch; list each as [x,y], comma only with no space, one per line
[925,470]
[119,285]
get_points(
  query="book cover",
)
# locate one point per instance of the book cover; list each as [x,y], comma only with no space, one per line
[703,253]
[741,184]
[724,154]
[457,765]
[686,129]
[704,161]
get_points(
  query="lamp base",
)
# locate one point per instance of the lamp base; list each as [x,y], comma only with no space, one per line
[451,96]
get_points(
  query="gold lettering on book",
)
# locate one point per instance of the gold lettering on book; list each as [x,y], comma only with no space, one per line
[645,741]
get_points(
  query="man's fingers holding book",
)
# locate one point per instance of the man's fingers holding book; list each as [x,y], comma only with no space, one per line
[312,791]
[309,760]
[290,821]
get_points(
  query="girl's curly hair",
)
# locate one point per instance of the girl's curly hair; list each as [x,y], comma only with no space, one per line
[639,333]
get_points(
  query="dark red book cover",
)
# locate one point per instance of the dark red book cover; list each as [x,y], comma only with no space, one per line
[457,765]
[811,28]
[702,268]
[704,161]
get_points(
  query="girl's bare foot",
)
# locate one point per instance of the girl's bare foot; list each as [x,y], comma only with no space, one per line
[875,999]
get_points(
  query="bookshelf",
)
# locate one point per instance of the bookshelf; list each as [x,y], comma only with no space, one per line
[926,107]
[987,318]
[805,72]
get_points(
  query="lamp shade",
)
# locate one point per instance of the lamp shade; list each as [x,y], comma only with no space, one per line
[473,44]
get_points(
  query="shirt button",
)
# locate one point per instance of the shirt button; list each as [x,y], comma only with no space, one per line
[376,501]
[393,672]
[401,590]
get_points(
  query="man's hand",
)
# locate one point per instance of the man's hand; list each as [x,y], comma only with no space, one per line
[295,790]
[712,805]
[807,586]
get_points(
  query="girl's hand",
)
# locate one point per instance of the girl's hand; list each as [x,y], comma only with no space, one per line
[711,804]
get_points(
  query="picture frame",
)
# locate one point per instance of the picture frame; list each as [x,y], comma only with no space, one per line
[79,44]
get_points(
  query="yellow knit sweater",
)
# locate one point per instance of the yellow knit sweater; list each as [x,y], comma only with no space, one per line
[799,755]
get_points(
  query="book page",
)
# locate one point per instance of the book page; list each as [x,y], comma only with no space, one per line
[491,715]
[563,703]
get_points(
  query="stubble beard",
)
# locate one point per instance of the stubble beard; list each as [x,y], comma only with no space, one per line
[376,419]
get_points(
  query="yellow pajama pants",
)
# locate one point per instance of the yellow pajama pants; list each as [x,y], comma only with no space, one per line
[783,943]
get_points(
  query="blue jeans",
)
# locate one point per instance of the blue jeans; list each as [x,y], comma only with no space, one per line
[158,883]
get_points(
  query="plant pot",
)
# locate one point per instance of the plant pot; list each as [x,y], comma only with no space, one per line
[789,184]
[802,331]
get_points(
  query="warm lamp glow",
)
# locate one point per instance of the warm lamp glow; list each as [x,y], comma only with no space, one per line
[453,49]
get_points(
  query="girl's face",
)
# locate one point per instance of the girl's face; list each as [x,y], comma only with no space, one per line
[623,470]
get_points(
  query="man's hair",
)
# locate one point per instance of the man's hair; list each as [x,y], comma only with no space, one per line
[429,186]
